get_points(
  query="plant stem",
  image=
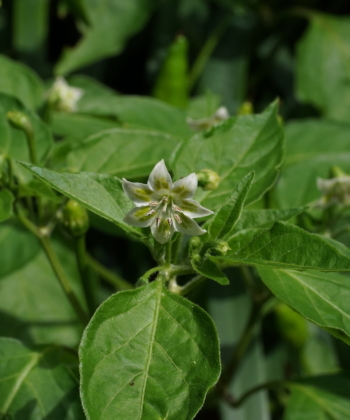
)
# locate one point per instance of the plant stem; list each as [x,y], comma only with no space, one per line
[80,252]
[151,271]
[241,348]
[26,222]
[207,50]
[267,385]
[63,280]
[108,275]
[29,132]
[168,253]
[188,287]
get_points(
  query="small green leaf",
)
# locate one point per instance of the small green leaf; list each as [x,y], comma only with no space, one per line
[320,297]
[284,246]
[6,202]
[226,217]
[102,194]
[232,149]
[123,153]
[38,383]
[264,218]
[147,354]
[21,82]
[208,269]
[321,397]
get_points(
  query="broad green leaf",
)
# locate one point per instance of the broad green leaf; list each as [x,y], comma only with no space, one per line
[112,23]
[232,149]
[226,217]
[264,218]
[124,153]
[21,82]
[312,148]
[6,202]
[230,308]
[38,383]
[320,297]
[285,246]
[208,269]
[32,305]
[13,141]
[323,65]
[102,194]
[322,398]
[147,354]
[141,112]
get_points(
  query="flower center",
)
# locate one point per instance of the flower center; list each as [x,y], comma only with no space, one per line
[165,209]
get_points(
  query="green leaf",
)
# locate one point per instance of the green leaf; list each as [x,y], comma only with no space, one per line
[112,23]
[208,269]
[124,153]
[232,149]
[284,246]
[33,306]
[325,44]
[203,106]
[226,217]
[13,142]
[6,202]
[37,383]
[140,112]
[312,148]
[102,194]
[264,218]
[147,354]
[322,398]
[21,82]
[320,297]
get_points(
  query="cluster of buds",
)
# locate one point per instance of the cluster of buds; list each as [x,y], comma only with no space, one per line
[63,97]
[221,114]
[334,190]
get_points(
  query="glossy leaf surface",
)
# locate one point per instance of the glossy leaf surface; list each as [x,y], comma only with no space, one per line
[148,354]
[37,383]
[232,149]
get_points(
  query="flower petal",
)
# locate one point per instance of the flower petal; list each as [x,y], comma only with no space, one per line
[160,179]
[188,226]
[139,193]
[138,216]
[185,187]
[163,232]
[192,209]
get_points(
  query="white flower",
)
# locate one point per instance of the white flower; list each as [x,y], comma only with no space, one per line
[221,114]
[64,97]
[164,206]
[335,190]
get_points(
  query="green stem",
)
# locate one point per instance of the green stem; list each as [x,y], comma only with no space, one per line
[26,222]
[168,253]
[151,271]
[108,275]
[29,132]
[188,287]
[241,348]
[62,278]
[10,173]
[80,252]
[207,51]
[267,385]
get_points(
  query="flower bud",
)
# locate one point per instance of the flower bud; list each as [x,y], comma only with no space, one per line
[246,108]
[75,219]
[208,179]
[19,120]
[217,248]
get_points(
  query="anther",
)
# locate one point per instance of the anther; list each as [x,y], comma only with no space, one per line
[177,217]
[170,221]
[177,208]
[150,212]
[153,203]
[157,222]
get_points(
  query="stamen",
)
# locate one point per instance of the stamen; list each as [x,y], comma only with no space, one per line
[177,217]
[170,221]
[157,222]
[153,203]
[177,208]
[150,212]
[165,198]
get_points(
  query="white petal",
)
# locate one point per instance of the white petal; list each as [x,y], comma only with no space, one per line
[139,193]
[163,232]
[185,187]
[192,209]
[138,216]
[160,180]
[188,226]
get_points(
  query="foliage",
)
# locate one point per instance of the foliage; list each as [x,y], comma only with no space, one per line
[114,302]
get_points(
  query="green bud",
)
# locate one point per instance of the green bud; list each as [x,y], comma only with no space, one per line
[19,120]
[217,248]
[75,219]
[208,179]
[246,108]
[292,326]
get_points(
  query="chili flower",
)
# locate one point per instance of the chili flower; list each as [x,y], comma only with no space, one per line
[163,206]
[64,97]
